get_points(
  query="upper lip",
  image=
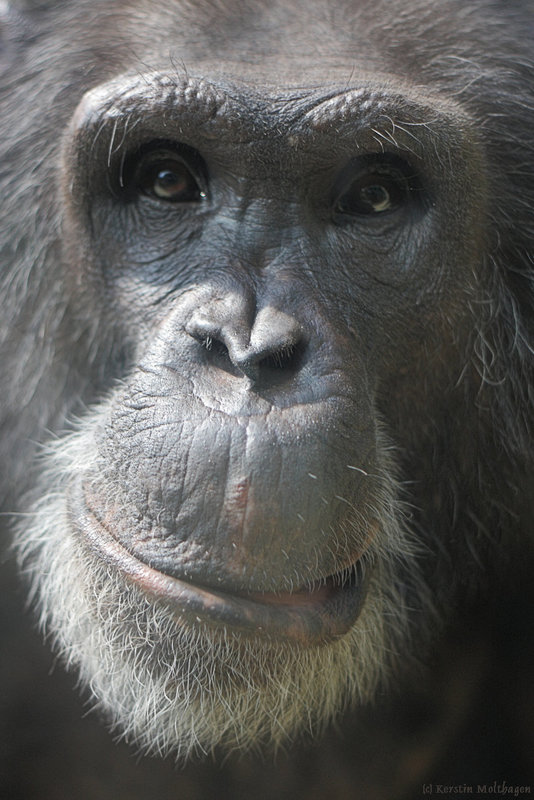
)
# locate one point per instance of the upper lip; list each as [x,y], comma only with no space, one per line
[323,612]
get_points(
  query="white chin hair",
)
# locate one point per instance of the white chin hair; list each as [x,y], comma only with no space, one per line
[173,688]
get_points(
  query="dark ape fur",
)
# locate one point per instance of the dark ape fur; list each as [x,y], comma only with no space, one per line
[318,413]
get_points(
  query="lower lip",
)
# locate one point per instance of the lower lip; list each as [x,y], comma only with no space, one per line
[310,617]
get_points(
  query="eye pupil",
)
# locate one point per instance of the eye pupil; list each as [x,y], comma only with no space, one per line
[373,194]
[168,184]
[377,197]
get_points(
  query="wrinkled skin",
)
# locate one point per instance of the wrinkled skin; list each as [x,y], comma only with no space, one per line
[267,303]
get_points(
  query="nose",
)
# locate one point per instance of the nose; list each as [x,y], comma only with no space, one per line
[252,342]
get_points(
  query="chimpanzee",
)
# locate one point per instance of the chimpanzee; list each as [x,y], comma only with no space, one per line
[267,357]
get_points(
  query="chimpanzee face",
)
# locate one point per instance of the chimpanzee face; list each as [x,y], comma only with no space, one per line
[267,280]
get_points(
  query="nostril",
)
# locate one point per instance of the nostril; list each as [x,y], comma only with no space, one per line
[215,335]
[270,365]
[283,359]
[213,345]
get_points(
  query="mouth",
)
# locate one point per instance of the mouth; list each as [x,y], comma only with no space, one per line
[309,616]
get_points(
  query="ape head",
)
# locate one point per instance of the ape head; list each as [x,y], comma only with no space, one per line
[267,302]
